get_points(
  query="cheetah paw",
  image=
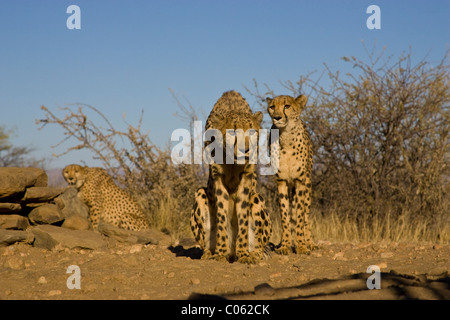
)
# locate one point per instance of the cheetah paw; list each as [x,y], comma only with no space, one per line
[218,257]
[282,250]
[302,250]
[206,255]
[247,259]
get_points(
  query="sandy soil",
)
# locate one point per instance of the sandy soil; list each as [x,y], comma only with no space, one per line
[334,271]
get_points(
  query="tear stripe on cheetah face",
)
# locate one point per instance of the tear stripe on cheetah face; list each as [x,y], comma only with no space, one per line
[294,173]
[226,202]
[106,201]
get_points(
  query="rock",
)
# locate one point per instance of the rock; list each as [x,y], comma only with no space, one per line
[41,194]
[128,236]
[264,289]
[70,205]
[49,237]
[13,221]
[13,180]
[46,214]
[275,275]
[52,293]
[42,280]
[339,256]
[195,281]
[10,207]
[385,255]
[14,263]
[8,237]
[76,223]
[136,248]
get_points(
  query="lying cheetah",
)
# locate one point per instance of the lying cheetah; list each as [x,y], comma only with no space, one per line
[229,218]
[106,201]
[295,166]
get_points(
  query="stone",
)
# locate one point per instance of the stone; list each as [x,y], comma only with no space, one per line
[136,248]
[76,223]
[8,237]
[70,205]
[13,221]
[128,236]
[52,293]
[10,207]
[46,214]
[42,280]
[14,263]
[264,289]
[41,194]
[14,180]
[51,237]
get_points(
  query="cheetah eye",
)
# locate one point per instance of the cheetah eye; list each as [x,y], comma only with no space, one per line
[272,107]
[287,106]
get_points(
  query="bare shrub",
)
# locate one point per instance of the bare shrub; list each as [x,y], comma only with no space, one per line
[14,156]
[164,190]
[381,144]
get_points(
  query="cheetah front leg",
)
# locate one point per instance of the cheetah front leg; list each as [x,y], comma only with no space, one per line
[303,241]
[203,223]
[243,216]
[260,227]
[223,248]
[283,199]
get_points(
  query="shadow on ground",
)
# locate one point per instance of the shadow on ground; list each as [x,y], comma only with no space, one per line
[354,287]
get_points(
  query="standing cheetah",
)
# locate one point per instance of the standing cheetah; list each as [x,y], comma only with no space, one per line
[106,201]
[295,166]
[229,218]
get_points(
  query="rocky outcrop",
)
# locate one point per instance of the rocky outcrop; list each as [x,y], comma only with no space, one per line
[53,218]
[51,237]
[26,201]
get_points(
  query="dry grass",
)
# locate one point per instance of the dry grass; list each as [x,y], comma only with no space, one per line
[332,226]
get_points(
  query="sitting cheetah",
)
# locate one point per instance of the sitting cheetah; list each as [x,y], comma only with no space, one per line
[229,218]
[106,201]
[295,166]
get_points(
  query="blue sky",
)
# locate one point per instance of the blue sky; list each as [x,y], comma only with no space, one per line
[129,53]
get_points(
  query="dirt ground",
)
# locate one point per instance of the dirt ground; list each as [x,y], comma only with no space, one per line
[165,271]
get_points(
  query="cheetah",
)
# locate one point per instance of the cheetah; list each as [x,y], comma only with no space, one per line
[106,201]
[294,173]
[229,218]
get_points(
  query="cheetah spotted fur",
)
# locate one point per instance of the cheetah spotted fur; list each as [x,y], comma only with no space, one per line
[106,201]
[294,173]
[229,218]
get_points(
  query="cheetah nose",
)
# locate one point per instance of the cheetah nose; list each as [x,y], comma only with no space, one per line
[277,118]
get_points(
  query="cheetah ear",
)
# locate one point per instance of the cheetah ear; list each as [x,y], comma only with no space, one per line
[301,101]
[258,116]
[269,101]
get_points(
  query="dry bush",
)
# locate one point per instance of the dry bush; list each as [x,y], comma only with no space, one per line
[13,156]
[163,190]
[381,148]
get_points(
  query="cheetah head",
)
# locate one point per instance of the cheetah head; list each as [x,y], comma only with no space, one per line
[75,175]
[283,109]
[239,131]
